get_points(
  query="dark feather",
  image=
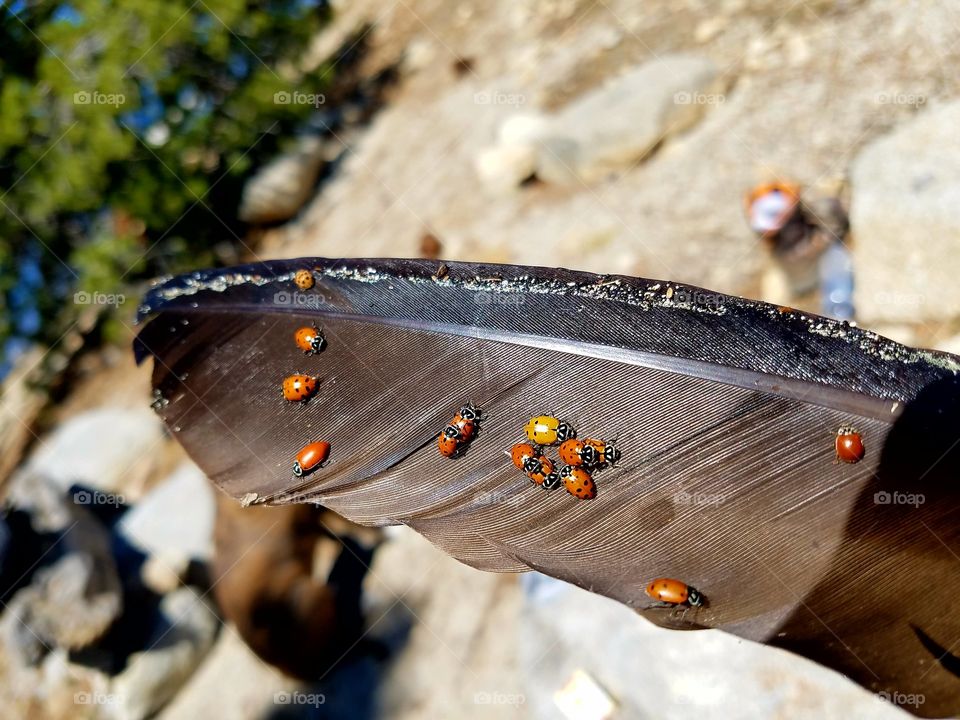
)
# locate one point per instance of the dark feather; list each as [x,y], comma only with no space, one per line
[725,409]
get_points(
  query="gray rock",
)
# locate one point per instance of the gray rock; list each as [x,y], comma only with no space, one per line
[68,605]
[280,188]
[692,669]
[99,449]
[232,682]
[615,126]
[176,648]
[904,220]
[172,524]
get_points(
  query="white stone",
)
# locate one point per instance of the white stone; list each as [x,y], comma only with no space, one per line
[98,449]
[502,168]
[174,521]
[523,129]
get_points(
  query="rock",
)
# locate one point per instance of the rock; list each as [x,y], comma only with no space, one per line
[613,127]
[950,345]
[55,690]
[20,403]
[68,605]
[232,682]
[503,168]
[523,129]
[692,672]
[172,524]
[123,440]
[74,597]
[177,645]
[420,54]
[904,221]
[279,189]
[708,28]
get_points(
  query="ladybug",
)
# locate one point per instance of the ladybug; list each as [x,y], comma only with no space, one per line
[311,457]
[310,339]
[447,445]
[578,482]
[571,452]
[849,445]
[464,423]
[460,430]
[548,430]
[521,454]
[303,279]
[541,471]
[299,388]
[674,592]
[598,452]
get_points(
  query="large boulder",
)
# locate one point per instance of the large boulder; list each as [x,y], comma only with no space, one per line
[905,221]
[615,126]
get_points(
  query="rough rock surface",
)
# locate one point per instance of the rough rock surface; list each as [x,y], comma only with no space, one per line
[906,192]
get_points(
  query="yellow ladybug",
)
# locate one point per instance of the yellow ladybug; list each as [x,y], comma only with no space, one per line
[548,430]
[303,279]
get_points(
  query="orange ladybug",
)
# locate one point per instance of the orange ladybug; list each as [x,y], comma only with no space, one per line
[674,592]
[578,482]
[460,430]
[299,388]
[571,452]
[849,443]
[447,445]
[541,471]
[311,457]
[599,452]
[465,422]
[310,339]
[521,454]
[303,279]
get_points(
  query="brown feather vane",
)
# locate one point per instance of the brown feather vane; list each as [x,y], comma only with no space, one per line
[726,412]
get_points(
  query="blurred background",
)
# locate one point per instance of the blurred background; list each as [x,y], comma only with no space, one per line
[801,153]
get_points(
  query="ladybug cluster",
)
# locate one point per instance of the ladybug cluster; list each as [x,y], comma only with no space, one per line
[580,458]
[461,430]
